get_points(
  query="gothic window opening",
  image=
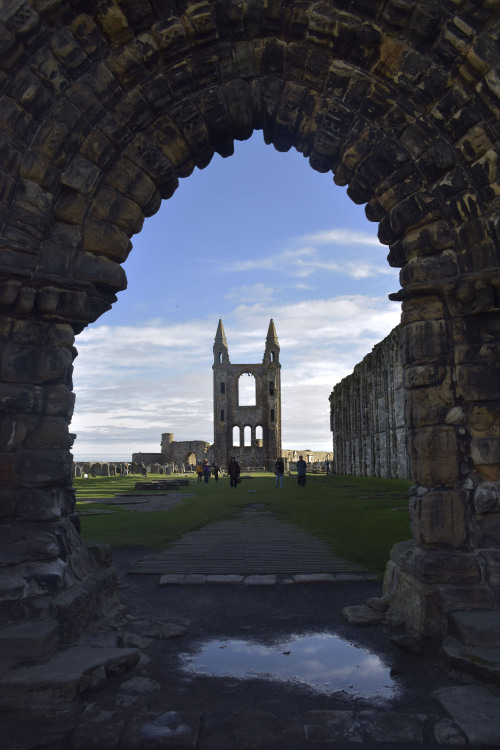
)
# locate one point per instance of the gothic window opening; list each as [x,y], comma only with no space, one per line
[247,390]
[236,436]
[272,415]
[271,388]
[222,415]
[247,436]
[222,387]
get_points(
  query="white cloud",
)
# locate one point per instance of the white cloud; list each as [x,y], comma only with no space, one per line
[342,237]
[312,254]
[135,382]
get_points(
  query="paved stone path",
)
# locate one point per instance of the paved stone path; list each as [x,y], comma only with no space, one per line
[253,543]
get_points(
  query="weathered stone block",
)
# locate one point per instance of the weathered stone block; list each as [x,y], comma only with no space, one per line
[35,505]
[82,562]
[424,341]
[132,182]
[12,587]
[106,239]
[434,456]
[42,468]
[81,175]
[487,530]
[424,375]
[103,554]
[439,518]
[484,421]
[99,149]
[429,406]
[435,566]
[417,602]
[491,561]
[170,36]
[485,453]
[100,270]
[49,432]
[22,363]
[14,429]
[59,401]
[8,292]
[487,497]
[75,609]
[436,267]
[473,597]
[113,208]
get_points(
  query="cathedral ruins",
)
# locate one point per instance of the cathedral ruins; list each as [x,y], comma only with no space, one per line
[106,106]
[251,432]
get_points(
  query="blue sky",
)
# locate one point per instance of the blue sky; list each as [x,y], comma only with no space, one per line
[258,235]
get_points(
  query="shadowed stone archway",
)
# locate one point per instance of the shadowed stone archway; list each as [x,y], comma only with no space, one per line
[105,105]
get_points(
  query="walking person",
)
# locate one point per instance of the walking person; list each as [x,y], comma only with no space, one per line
[279,470]
[234,471]
[301,472]
[206,470]
[216,472]
[199,472]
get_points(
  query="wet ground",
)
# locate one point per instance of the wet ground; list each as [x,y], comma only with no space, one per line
[259,710]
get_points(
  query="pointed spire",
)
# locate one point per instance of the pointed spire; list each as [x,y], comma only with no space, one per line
[220,336]
[272,337]
[221,353]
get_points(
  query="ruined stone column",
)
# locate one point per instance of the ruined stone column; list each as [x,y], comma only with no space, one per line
[46,571]
[451,374]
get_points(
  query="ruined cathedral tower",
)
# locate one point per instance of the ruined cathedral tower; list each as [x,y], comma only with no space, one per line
[247,405]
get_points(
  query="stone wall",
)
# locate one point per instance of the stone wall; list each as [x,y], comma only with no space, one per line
[367,415]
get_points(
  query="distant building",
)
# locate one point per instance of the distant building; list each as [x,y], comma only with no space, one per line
[247,428]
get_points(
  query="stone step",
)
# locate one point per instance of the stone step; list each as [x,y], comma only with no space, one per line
[29,641]
[481,661]
[480,629]
[68,674]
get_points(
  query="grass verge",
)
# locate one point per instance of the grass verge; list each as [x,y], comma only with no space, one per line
[360,518]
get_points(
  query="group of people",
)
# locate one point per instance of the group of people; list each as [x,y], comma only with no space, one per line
[203,471]
[279,471]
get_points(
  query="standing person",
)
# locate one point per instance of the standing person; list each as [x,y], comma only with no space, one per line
[216,472]
[327,466]
[199,471]
[301,472]
[234,472]
[206,470]
[279,470]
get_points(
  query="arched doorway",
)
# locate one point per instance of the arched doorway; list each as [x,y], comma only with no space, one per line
[103,112]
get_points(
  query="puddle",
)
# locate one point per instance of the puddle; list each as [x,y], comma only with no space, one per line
[322,661]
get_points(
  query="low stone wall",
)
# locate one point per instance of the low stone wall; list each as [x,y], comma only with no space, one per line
[367,415]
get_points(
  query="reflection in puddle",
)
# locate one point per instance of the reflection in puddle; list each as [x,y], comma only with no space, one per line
[322,661]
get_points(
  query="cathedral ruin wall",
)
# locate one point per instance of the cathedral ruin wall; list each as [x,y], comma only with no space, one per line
[367,415]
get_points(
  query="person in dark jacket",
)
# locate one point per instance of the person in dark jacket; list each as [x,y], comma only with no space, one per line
[301,472]
[234,472]
[279,470]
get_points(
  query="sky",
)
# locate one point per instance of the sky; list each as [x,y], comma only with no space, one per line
[255,236]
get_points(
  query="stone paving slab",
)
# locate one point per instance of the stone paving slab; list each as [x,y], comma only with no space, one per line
[62,679]
[475,710]
[254,542]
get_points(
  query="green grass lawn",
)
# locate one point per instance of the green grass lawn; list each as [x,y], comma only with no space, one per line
[360,518]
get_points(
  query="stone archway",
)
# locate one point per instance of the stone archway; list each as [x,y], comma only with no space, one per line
[103,111]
